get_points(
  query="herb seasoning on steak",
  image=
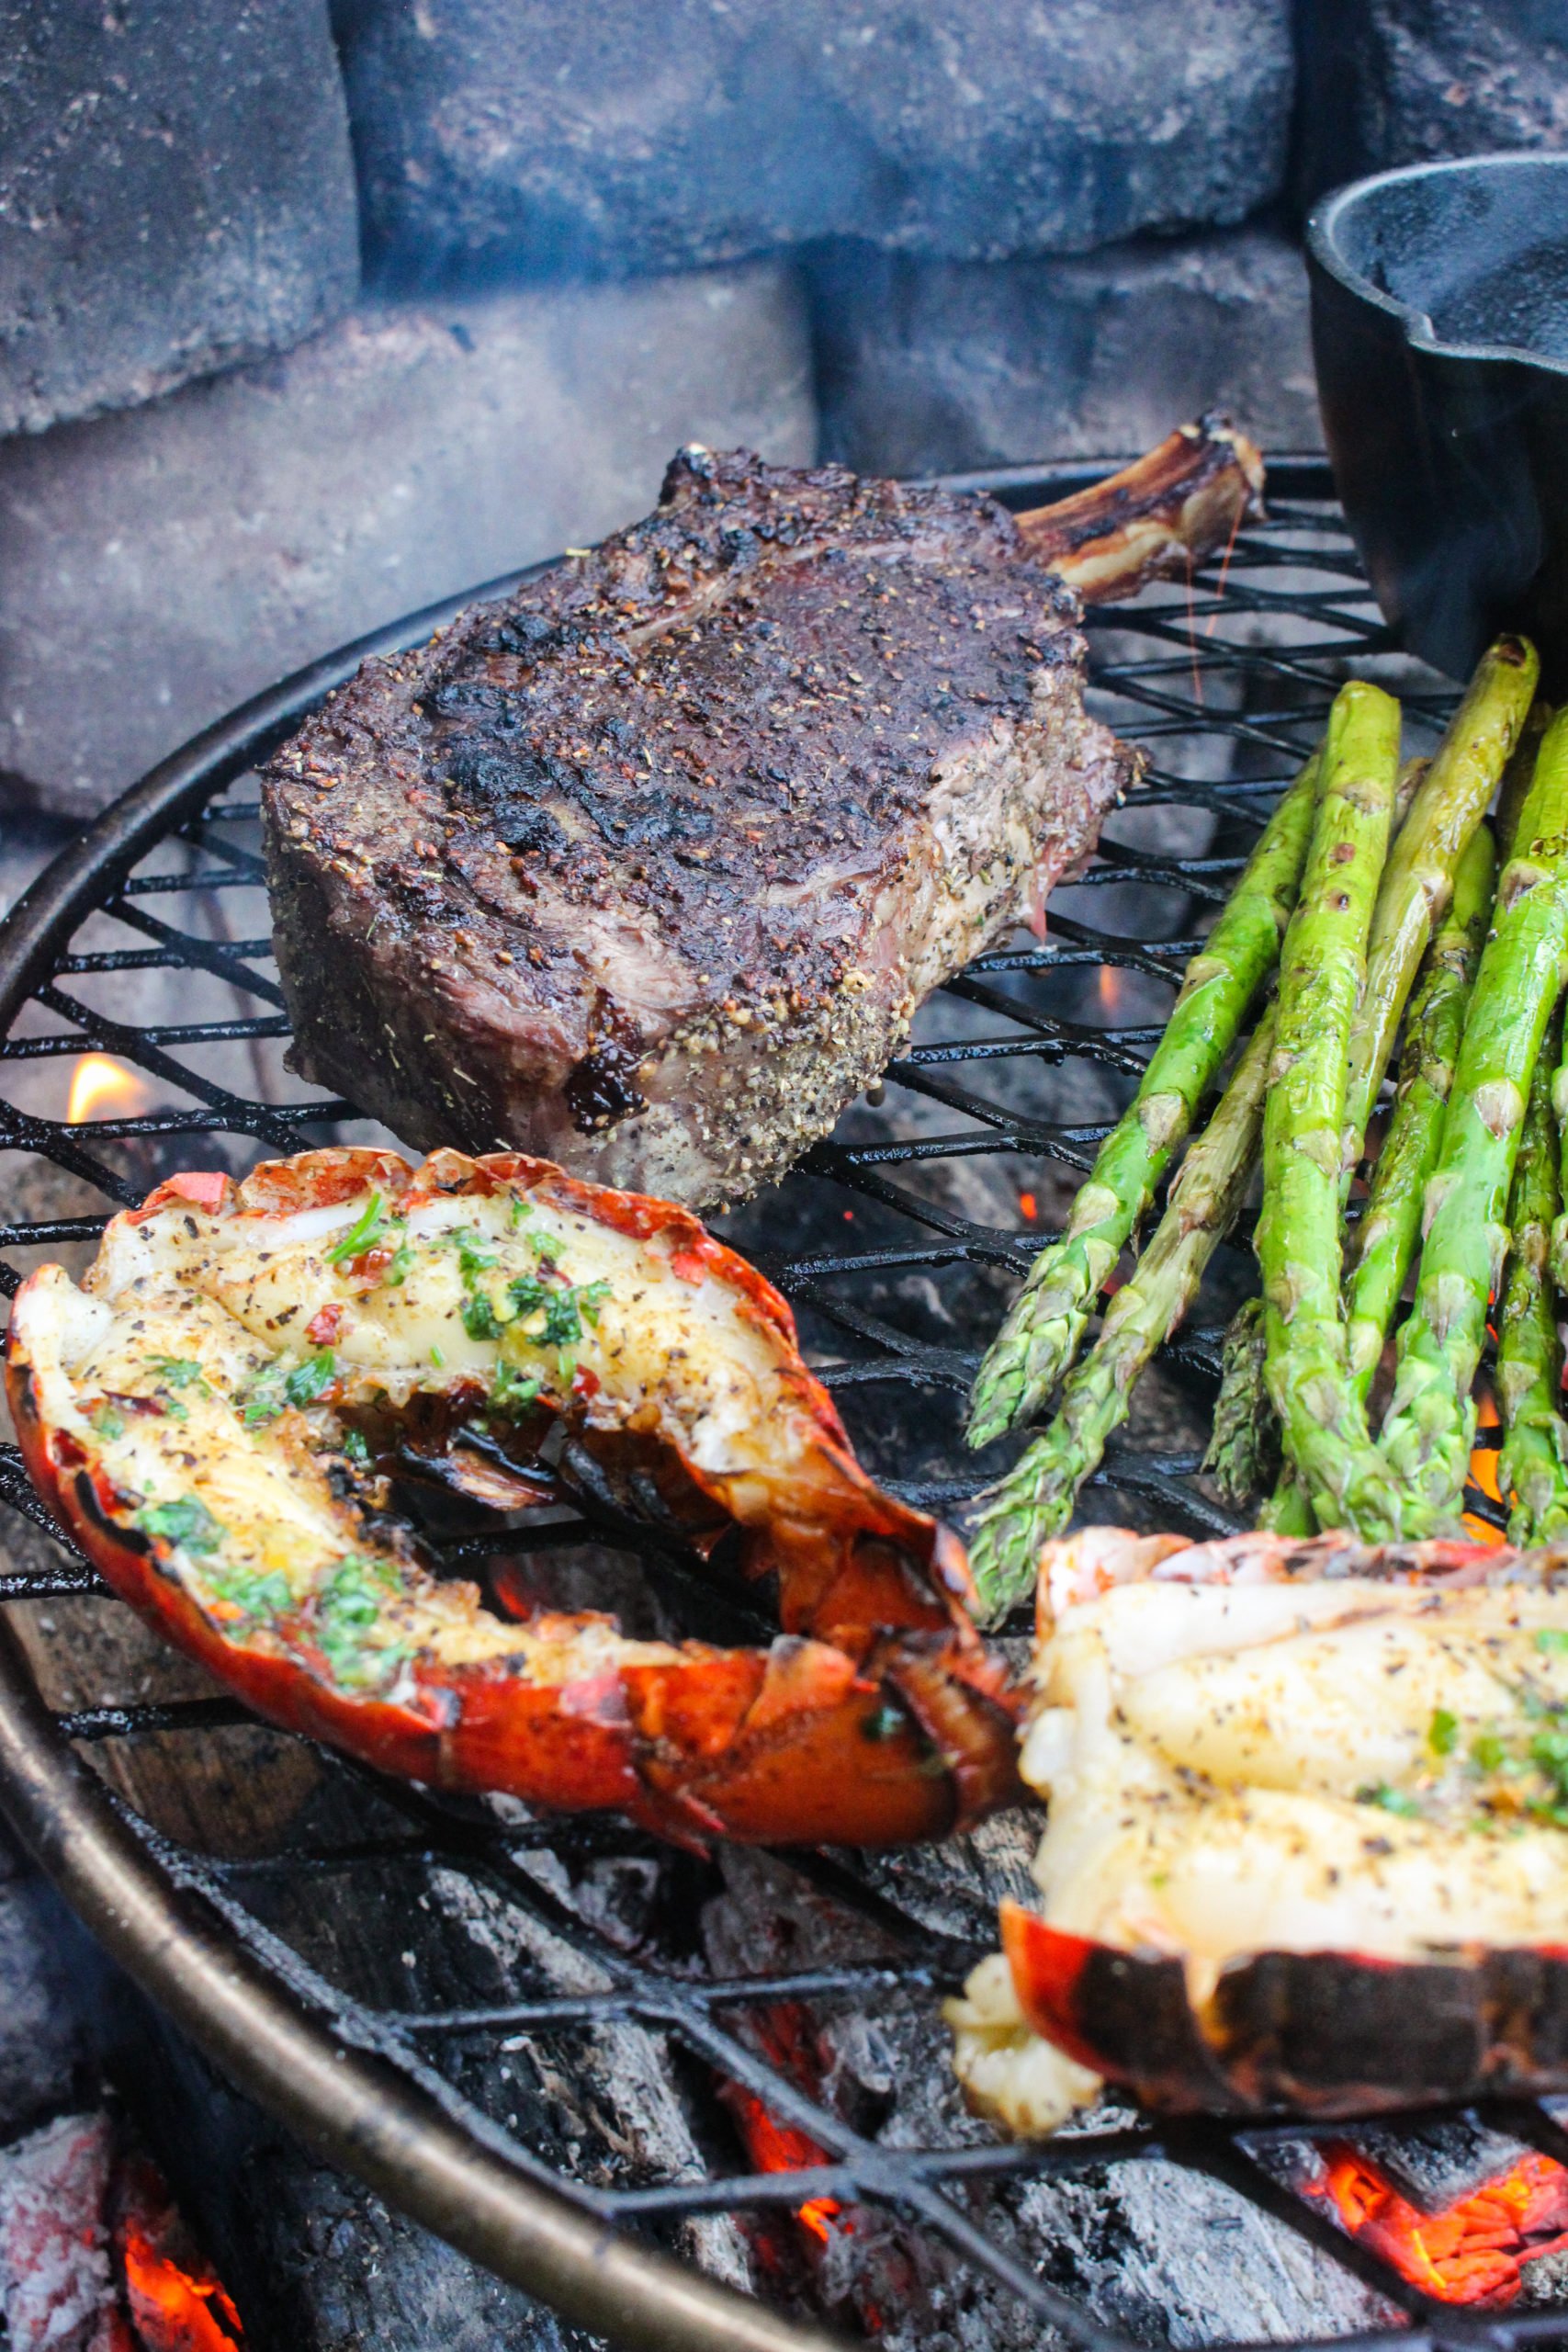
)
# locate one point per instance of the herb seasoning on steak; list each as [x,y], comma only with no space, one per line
[646,869]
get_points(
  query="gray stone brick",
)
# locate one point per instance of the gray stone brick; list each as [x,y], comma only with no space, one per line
[177,193]
[157,567]
[653,134]
[1387,82]
[934,367]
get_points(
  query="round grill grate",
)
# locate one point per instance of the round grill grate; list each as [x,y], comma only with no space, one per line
[147,944]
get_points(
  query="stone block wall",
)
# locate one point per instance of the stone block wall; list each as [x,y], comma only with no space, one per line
[314,310]
[628,136]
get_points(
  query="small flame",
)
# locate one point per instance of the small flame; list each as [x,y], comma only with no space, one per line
[100,1085]
[1472,2251]
[1029,1206]
[816,2215]
[174,2310]
[1109,989]
[175,2299]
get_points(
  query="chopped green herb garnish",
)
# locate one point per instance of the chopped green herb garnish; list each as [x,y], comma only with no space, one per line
[473,1258]
[187,1522]
[346,1608]
[479,1317]
[591,1297]
[108,1423]
[307,1380]
[398,1267]
[361,1236]
[1396,1801]
[520,1209]
[355,1447]
[564,1310]
[511,1390]
[269,1596]
[1487,1752]
[1551,1639]
[437,1359]
[262,1402]
[1549,1754]
[1442,1732]
[180,1371]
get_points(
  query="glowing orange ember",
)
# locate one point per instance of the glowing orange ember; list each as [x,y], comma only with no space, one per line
[101,1086]
[1483,1472]
[785,2032]
[176,2301]
[1110,988]
[173,2311]
[1029,1205]
[774,2146]
[1471,2250]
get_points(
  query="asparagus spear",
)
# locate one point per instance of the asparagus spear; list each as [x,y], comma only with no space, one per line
[1390,1231]
[1430,1427]
[1321,967]
[1045,1326]
[1518,776]
[1035,1499]
[1442,802]
[1531,1466]
[1243,1451]
[1558,1246]
[1416,887]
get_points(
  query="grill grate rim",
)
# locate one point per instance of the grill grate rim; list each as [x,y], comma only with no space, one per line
[1193,662]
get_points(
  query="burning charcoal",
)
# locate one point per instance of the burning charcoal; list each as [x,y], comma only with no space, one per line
[1171,2256]
[316,2262]
[175,2299]
[95,2256]
[1436,2164]
[56,2282]
[1506,2208]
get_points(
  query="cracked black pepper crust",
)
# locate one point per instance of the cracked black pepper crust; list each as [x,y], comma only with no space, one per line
[646,868]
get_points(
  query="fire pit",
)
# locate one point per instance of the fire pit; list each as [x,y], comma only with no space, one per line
[697,2103]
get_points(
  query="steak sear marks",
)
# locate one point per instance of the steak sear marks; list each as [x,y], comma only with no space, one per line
[646,868]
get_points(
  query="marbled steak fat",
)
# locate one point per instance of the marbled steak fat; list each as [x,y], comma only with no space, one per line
[646,869]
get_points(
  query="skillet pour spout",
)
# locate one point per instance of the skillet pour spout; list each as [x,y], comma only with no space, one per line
[1439,312]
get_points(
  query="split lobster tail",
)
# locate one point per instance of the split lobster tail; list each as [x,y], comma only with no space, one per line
[1326,2034]
[226,1476]
[1306,1843]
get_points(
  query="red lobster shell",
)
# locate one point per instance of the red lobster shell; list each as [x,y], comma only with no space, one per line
[876,1718]
[1317,2031]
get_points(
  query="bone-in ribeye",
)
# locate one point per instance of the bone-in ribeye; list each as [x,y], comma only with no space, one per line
[646,869]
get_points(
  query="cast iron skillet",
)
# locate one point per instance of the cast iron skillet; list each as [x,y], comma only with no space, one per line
[1439,320]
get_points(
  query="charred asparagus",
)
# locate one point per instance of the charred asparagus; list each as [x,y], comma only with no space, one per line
[1243,1451]
[1390,1231]
[1045,1329]
[1429,1430]
[1322,969]
[1531,1468]
[1035,1499]
[1416,889]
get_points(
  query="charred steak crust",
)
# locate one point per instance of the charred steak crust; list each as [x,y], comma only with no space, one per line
[646,869]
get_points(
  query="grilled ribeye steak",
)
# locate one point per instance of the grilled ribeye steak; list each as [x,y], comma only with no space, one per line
[646,869]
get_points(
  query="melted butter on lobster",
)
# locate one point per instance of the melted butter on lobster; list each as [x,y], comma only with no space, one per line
[1308,1834]
[209,1413]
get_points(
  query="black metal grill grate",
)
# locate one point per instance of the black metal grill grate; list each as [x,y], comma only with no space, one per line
[892,1239]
